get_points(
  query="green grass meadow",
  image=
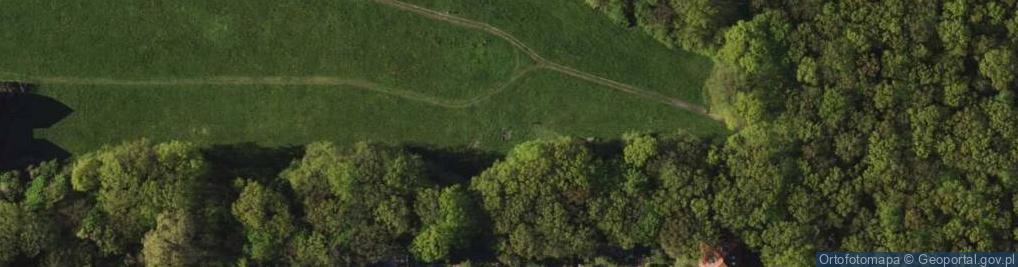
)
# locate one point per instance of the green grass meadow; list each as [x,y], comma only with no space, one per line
[348,39]
[571,33]
[194,39]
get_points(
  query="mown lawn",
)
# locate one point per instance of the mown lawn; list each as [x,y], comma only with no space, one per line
[129,39]
[350,39]
[571,33]
[278,115]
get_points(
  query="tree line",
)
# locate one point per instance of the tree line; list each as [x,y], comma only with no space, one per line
[641,199]
[176,204]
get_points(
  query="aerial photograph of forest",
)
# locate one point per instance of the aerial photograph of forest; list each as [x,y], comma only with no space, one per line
[508,132]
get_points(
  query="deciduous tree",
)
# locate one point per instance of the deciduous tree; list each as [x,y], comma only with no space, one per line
[535,198]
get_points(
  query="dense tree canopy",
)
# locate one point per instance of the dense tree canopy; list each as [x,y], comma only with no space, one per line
[449,223]
[267,221]
[358,202]
[894,114]
[172,242]
[132,184]
[537,197]
[854,114]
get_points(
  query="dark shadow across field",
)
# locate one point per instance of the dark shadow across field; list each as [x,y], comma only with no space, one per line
[20,115]
[251,161]
[456,164]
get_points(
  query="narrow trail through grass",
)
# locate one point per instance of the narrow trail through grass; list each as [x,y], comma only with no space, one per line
[287,80]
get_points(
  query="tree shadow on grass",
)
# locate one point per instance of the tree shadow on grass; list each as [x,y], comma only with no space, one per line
[454,165]
[250,160]
[20,114]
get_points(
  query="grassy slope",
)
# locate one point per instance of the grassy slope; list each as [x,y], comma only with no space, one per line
[571,33]
[299,114]
[187,39]
[354,39]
